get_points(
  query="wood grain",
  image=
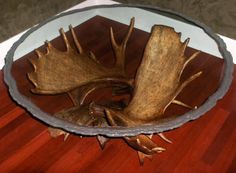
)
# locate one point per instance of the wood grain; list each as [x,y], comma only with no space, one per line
[204,145]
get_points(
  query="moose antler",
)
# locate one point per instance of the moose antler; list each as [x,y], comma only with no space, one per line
[119,49]
[58,72]
[161,67]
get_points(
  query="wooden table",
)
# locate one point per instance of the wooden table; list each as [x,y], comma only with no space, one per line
[204,145]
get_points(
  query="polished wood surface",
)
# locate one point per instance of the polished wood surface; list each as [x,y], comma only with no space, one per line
[204,145]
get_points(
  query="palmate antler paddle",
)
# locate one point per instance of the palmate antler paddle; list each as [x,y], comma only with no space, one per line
[155,87]
[157,82]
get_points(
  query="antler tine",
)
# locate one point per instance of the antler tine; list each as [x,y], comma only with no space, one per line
[187,81]
[48,46]
[185,44]
[39,54]
[131,26]
[33,63]
[193,56]
[119,49]
[78,46]
[162,136]
[65,39]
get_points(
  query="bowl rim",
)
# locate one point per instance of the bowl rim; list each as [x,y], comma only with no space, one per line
[165,125]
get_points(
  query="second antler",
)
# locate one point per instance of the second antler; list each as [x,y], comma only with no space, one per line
[157,82]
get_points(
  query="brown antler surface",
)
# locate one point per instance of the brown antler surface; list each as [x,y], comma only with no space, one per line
[58,72]
[157,82]
[119,49]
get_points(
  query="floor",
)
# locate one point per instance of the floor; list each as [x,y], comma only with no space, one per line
[205,145]
[16,16]
[220,15]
